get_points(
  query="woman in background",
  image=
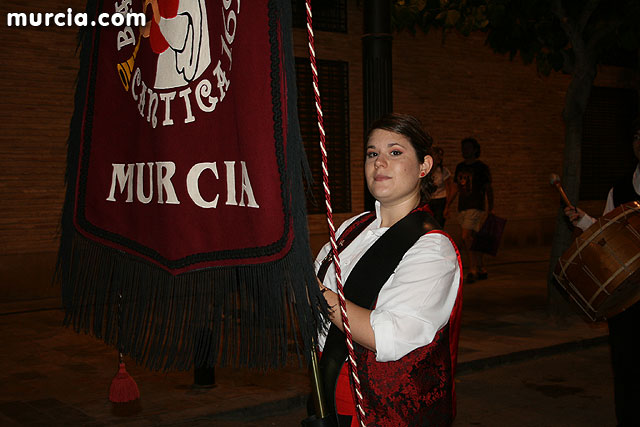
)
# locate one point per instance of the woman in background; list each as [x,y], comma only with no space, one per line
[442,180]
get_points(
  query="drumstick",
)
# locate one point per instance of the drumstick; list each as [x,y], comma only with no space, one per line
[555,181]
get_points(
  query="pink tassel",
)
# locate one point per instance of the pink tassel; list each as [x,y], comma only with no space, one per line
[123,387]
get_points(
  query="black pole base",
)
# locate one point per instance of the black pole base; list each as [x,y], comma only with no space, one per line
[329,421]
[204,377]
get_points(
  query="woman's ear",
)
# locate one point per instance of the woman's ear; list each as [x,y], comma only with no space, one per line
[426,166]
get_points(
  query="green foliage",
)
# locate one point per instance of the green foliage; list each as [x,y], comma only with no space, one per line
[548,32]
[463,15]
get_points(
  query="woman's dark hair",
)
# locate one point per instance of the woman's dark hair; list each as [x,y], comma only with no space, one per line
[411,128]
[475,143]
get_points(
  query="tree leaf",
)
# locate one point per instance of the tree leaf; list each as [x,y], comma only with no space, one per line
[452,18]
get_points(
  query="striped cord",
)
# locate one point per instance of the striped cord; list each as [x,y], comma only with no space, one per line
[332,232]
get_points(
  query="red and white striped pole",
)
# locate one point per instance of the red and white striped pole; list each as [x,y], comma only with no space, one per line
[332,231]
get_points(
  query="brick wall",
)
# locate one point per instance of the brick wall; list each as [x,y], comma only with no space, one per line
[38,68]
[458,87]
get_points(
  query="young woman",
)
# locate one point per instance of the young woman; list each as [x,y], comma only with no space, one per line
[401,278]
[442,180]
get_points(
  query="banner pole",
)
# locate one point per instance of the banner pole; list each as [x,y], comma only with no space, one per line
[355,381]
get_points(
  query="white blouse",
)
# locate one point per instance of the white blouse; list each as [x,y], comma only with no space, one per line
[417,299]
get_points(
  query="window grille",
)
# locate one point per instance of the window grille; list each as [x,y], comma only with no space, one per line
[328,15]
[333,78]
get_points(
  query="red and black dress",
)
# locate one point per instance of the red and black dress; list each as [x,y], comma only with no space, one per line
[408,380]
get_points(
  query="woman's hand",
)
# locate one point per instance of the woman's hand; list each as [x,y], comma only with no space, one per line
[330,297]
[358,318]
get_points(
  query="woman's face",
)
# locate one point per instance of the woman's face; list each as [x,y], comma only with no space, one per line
[392,169]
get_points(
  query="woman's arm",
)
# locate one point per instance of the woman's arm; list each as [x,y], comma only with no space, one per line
[451,196]
[332,297]
[489,189]
[417,300]
[359,319]
[448,186]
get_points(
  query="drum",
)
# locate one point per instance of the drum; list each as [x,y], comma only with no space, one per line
[601,269]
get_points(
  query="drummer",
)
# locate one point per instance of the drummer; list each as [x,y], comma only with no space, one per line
[623,336]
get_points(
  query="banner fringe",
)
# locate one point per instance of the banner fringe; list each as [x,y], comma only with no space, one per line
[241,316]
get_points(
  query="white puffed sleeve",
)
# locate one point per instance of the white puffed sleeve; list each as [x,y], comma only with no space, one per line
[418,298]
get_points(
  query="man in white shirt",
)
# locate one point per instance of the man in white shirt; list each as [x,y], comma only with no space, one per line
[624,338]
[582,220]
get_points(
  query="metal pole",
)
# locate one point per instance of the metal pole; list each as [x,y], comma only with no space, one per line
[377,87]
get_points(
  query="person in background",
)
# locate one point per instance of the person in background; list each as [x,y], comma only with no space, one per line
[473,185]
[443,182]
[624,338]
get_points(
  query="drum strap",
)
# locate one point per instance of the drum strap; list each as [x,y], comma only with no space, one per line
[364,284]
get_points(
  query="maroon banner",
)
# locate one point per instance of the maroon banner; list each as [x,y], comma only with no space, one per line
[182,156]
[184,230]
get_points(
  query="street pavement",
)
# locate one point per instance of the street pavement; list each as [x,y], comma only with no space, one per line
[572,388]
[518,366]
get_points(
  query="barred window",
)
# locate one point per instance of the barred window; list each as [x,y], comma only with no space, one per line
[328,15]
[333,77]
[607,154]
